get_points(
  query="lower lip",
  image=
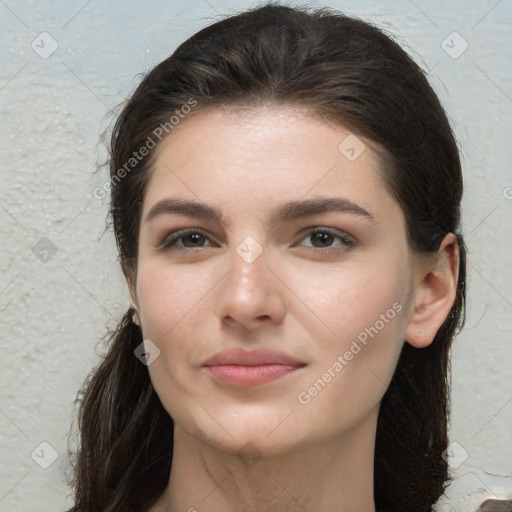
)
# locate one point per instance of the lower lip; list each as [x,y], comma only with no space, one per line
[249,375]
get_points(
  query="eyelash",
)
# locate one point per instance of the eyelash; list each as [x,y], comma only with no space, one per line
[348,242]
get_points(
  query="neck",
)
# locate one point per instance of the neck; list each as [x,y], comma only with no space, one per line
[335,476]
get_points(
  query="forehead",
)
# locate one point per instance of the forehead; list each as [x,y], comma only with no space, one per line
[265,154]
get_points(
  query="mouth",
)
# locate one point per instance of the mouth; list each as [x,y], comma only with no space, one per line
[250,368]
[249,375]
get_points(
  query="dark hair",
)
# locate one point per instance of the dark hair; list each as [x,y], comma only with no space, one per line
[345,71]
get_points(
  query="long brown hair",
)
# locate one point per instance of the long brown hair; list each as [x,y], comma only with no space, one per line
[342,69]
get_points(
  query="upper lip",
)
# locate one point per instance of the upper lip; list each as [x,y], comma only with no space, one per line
[257,357]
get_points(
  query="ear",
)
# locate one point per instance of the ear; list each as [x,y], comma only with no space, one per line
[131,281]
[434,293]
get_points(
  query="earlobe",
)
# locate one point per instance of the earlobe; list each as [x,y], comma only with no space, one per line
[131,281]
[135,316]
[435,294]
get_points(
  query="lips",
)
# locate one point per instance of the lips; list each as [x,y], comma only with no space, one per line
[256,357]
[238,367]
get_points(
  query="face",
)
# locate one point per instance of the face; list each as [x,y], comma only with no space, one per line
[307,257]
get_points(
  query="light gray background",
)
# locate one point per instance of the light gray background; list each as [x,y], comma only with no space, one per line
[55,307]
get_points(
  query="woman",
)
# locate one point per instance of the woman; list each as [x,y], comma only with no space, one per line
[286,195]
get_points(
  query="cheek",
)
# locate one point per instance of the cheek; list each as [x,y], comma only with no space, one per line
[345,303]
[171,304]
[351,374]
[168,299]
[362,308]
[172,310]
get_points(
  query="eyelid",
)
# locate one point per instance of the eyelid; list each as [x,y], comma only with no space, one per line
[176,235]
[348,239]
[348,242]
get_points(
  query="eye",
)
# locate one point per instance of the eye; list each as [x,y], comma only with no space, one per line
[322,238]
[192,236]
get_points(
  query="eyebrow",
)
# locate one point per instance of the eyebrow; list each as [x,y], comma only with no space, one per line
[286,212]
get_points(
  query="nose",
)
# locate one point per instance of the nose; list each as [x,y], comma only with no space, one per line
[251,293]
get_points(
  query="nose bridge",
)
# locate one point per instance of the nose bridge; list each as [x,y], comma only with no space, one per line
[250,292]
[249,250]
[249,266]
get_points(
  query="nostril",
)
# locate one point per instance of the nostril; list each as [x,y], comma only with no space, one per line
[495,506]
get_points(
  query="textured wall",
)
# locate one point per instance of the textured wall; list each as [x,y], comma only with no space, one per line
[64,65]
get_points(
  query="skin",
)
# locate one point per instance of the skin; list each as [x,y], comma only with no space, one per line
[259,448]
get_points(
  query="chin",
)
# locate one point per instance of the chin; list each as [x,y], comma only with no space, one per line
[248,436]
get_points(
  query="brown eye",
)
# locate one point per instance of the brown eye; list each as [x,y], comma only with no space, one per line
[321,238]
[324,238]
[191,238]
